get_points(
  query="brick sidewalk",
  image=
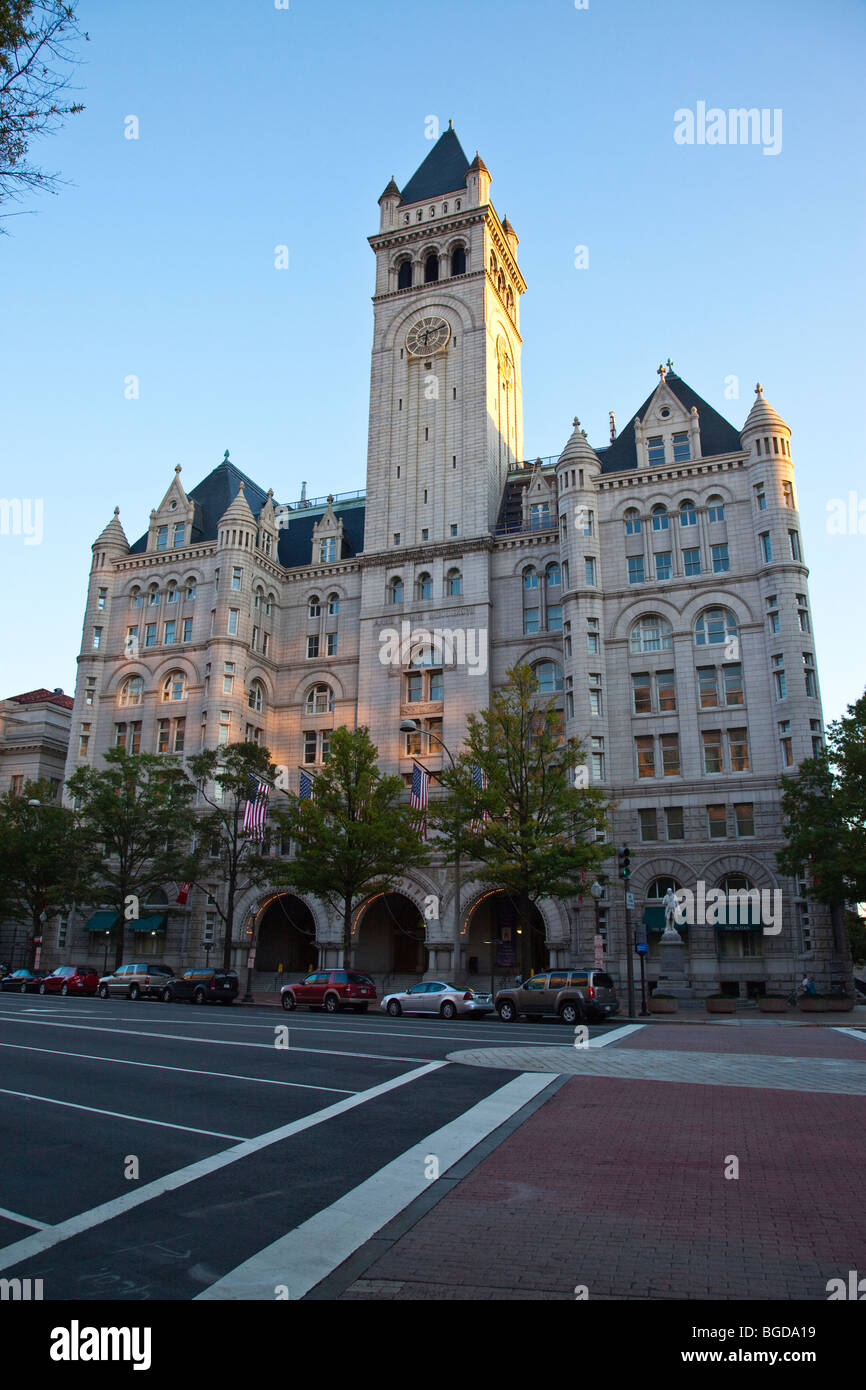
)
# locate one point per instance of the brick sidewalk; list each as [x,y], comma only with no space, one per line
[618,1185]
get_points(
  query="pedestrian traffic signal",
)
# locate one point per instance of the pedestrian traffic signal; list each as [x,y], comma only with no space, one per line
[624,858]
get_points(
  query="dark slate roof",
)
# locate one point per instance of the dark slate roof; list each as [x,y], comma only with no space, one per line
[718,435]
[214,494]
[443,171]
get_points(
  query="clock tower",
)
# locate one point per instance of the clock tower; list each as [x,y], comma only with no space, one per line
[446,418]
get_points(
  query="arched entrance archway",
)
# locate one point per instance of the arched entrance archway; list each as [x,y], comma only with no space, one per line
[389,937]
[497,946]
[286,936]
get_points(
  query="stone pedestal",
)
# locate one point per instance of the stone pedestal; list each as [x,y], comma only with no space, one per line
[672,974]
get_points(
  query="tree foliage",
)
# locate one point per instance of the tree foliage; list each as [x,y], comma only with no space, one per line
[42,866]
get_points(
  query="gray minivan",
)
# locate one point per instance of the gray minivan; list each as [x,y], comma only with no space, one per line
[575,996]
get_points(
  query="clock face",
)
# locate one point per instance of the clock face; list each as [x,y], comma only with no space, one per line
[427,336]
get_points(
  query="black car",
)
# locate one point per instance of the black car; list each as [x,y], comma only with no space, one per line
[202,987]
[22,981]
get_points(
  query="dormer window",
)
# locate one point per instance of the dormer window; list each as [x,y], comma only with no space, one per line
[179,534]
[162,538]
[682,447]
[328,550]
[656,450]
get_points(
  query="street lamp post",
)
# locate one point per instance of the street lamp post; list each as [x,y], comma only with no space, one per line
[408,726]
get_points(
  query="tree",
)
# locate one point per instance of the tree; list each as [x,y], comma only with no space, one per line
[353,837]
[223,779]
[824,816]
[137,816]
[528,825]
[36,61]
[41,858]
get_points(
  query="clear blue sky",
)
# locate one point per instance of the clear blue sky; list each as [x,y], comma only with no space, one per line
[261,126]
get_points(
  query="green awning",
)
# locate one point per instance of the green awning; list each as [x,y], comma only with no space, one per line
[654,918]
[739,917]
[102,921]
[155,923]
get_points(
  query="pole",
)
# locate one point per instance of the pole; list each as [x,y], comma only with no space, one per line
[643,1007]
[629,947]
[457,887]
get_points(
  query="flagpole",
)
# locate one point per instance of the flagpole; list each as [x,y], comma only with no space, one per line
[409,726]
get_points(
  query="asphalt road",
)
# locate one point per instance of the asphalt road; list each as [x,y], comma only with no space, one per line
[151,1149]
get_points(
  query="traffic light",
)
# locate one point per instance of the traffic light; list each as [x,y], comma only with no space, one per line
[624,862]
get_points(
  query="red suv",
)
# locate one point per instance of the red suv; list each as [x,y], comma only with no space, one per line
[331,990]
[70,979]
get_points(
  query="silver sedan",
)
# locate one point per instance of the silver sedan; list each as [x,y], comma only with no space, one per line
[435,997]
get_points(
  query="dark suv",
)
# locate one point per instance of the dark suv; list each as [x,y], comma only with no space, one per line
[331,990]
[202,986]
[143,980]
[575,996]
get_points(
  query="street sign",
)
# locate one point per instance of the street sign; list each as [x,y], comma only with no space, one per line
[642,948]
[629,900]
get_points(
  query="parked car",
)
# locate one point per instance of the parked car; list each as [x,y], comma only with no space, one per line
[331,990]
[22,981]
[575,996]
[435,997]
[202,986]
[147,980]
[71,979]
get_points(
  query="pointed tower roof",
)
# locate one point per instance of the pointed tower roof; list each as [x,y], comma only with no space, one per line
[478,165]
[718,435]
[392,191]
[238,512]
[443,171]
[578,450]
[113,535]
[762,416]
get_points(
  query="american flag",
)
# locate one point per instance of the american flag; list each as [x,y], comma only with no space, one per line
[256,808]
[305,787]
[480,781]
[419,796]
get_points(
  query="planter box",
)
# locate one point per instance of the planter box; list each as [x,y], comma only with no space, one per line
[814,1006]
[839,1006]
[661,1006]
[772,1006]
[721,1006]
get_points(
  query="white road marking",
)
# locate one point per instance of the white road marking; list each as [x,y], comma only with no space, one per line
[24,1220]
[169,1182]
[852,1033]
[118,1115]
[191,1071]
[305,1256]
[604,1038]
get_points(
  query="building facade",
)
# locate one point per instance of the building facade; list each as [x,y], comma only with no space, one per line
[657,585]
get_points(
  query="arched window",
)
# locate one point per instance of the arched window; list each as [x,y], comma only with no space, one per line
[688,515]
[549,677]
[660,886]
[135,597]
[458,260]
[269,605]
[651,633]
[632,522]
[320,700]
[333,605]
[509,300]
[492,263]
[715,508]
[530,577]
[453,583]
[395,590]
[714,627]
[554,577]
[174,686]
[734,883]
[131,691]
[431,268]
[500,282]
[314,607]
[256,697]
[404,276]
[190,588]
[153,596]
[171,593]
[259,596]
[660,517]
[425,586]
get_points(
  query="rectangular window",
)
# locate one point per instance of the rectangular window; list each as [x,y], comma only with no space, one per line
[682,449]
[225,725]
[436,687]
[717,827]
[163,730]
[712,742]
[312,646]
[708,695]
[760,497]
[592,636]
[645,755]
[179,734]
[414,687]
[670,744]
[310,745]
[664,569]
[794,542]
[597,759]
[187,629]
[595,706]
[656,450]
[665,691]
[101,596]
[233,622]
[97,638]
[266,644]
[781,685]
[721,562]
[569,697]
[83,740]
[803,613]
[228,677]
[744,819]
[531,619]
[554,617]
[788,494]
[162,537]
[169,633]
[691,561]
[179,533]
[91,688]
[588,522]
[766,547]
[237,577]
[732,677]
[642,693]
[738,747]
[589,570]
[425,533]
[674,823]
[150,634]
[328,549]
[635,569]
[120,735]
[648,825]
[332,643]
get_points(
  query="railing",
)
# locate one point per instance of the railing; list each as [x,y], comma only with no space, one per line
[306,503]
[516,528]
